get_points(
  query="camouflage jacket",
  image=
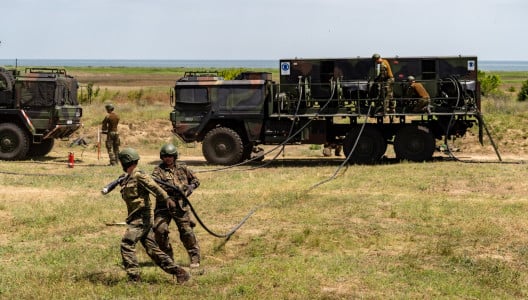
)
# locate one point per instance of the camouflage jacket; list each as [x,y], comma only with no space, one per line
[179,175]
[135,191]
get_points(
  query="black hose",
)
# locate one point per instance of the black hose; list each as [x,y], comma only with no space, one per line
[345,162]
[186,200]
[281,145]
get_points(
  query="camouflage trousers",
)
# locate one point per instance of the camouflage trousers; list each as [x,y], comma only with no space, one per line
[139,230]
[389,104]
[182,218]
[112,146]
[421,105]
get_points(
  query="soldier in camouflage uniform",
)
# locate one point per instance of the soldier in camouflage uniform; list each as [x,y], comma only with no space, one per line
[385,78]
[135,189]
[417,90]
[177,174]
[110,123]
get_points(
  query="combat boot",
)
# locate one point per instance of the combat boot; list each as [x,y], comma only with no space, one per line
[181,274]
[194,259]
[134,277]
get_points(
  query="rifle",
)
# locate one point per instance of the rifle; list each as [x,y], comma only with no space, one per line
[112,185]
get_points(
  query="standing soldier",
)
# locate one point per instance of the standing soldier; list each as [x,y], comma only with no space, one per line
[417,90]
[177,174]
[135,189]
[110,123]
[385,78]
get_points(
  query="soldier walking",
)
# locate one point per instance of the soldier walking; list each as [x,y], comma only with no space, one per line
[109,128]
[176,174]
[135,189]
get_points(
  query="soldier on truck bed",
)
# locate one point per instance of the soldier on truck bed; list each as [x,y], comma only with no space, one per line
[385,78]
[417,90]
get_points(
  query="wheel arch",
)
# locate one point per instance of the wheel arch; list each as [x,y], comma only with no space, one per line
[237,125]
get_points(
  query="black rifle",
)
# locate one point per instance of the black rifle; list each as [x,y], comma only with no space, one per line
[112,185]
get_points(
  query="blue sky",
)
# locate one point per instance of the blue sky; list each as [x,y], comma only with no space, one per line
[264,29]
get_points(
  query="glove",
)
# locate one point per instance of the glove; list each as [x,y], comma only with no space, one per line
[171,205]
[188,190]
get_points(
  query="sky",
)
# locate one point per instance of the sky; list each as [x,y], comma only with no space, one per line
[263,29]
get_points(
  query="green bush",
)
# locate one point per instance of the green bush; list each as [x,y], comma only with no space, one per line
[523,93]
[488,83]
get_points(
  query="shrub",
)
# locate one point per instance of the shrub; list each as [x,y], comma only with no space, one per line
[488,83]
[523,93]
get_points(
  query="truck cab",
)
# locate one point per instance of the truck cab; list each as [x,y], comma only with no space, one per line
[36,107]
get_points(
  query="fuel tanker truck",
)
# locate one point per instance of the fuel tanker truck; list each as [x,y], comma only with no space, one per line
[336,101]
[36,107]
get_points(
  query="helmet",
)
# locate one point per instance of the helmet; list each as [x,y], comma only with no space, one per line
[411,78]
[109,107]
[128,155]
[375,56]
[169,149]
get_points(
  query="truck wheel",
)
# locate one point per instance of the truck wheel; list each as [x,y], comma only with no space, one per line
[40,150]
[223,146]
[14,142]
[370,147]
[414,143]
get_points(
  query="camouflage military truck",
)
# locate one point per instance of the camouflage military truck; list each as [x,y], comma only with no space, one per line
[36,108]
[328,101]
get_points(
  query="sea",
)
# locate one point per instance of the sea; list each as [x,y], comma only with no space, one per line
[484,65]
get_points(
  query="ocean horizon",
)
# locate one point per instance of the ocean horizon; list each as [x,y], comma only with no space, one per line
[484,65]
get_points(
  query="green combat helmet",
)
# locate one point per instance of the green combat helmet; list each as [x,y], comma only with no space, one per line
[109,107]
[169,149]
[128,156]
[375,56]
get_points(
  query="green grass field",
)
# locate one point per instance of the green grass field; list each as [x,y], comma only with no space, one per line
[443,229]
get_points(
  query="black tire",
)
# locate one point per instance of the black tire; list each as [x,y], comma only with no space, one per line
[223,146]
[14,142]
[40,150]
[8,79]
[414,143]
[370,147]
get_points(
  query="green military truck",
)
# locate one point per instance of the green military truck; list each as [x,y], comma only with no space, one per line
[36,107]
[328,101]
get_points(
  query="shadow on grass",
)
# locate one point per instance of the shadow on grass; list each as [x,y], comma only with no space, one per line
[118,276]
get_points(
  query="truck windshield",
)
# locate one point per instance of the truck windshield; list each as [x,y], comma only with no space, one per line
[192,95]
[31,93]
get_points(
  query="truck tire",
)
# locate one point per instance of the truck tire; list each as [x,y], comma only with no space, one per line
[414,143]
[223,146]
[8,80]
[370,147]
[14,142]
[40,150]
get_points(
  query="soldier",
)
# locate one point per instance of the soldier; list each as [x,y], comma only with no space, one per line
[417,90]
[177,174]
[110,123]
[385,78]
[135,190]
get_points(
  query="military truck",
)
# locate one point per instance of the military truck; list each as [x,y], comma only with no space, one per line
[36,107]
[328,101]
